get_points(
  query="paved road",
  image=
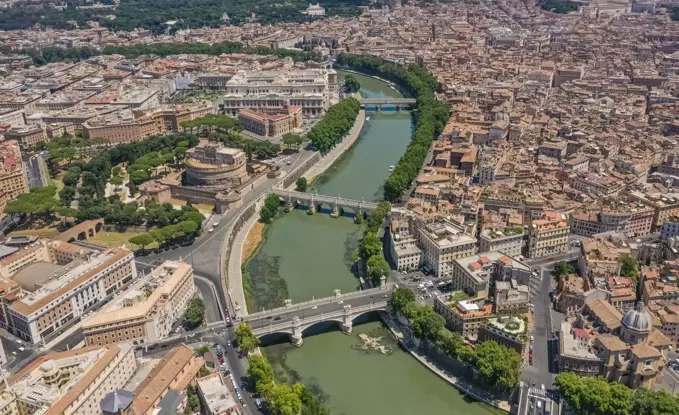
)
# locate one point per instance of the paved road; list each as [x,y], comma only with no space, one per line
[308,310]
[535,401]
[538,372]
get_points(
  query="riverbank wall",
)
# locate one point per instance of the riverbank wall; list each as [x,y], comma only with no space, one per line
[333,155]
[421,352]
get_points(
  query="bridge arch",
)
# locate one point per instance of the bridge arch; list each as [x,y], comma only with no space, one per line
[277,337]
[366,316]
[322,326]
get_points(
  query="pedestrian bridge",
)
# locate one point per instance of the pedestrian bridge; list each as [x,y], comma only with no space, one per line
[314,201]
[342,309]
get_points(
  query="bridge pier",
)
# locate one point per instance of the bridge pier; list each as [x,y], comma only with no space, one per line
[347,321]
[398,108]
[296,336]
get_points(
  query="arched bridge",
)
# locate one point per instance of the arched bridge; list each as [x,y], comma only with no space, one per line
[343,309]
[314,199]
[387,101]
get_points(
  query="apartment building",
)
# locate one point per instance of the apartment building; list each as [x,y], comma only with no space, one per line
[127,126]
[665,206]
[548,236]
[13,177]
[463,316]
[473,274]
[146,311]
[508,240]
[443,242]
[55,294]
[271,122]
[71,382]
[669,228]
[314,90]
[215,396]
[26,135]
[175,371]
[595,184]
[12,117]
[634,219]
[403,245]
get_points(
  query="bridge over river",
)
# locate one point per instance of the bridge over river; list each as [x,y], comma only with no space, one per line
[388,101]
[314,200]
[293,319]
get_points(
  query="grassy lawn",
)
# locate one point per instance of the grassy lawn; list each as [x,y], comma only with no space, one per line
[59,185]
[116,239]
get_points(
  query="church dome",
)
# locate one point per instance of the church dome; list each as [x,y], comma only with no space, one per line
[638,319]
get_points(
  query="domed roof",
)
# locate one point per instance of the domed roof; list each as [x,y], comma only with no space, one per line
[638,319]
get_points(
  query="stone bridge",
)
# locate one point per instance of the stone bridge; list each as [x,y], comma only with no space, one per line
[396,102]
[342,309]
[314,200]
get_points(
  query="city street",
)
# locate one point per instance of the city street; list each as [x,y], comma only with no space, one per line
[545,322]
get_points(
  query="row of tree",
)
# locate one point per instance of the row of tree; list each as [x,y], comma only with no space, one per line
[432,115]
[174,15]
[370,247]
[596,396]
[281,398]
[330,131]
[499,366]
[167,49]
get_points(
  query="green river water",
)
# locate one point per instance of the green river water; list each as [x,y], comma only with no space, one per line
[304,256]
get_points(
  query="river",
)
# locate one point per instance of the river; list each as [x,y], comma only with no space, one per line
[306,256]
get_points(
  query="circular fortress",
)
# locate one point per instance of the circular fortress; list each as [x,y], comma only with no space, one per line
[212,165]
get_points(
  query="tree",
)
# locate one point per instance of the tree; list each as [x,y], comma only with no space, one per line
[70,179]
[270,208]
[247,341]
[424,321]
[143,240]
[562,269]
[116,181]
[66,195]
[628,267]
[649,402]
[594,395]
[133,188]
[371,245]
[500,366]
[260,373]
[283,399]
[203,371]
[139,176]
[351,84]
[302,184]
[292,140]
[195,313]
[377,268]
[192,400]
[401,297]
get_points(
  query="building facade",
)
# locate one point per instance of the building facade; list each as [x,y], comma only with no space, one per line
[314,90]
[145,312]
